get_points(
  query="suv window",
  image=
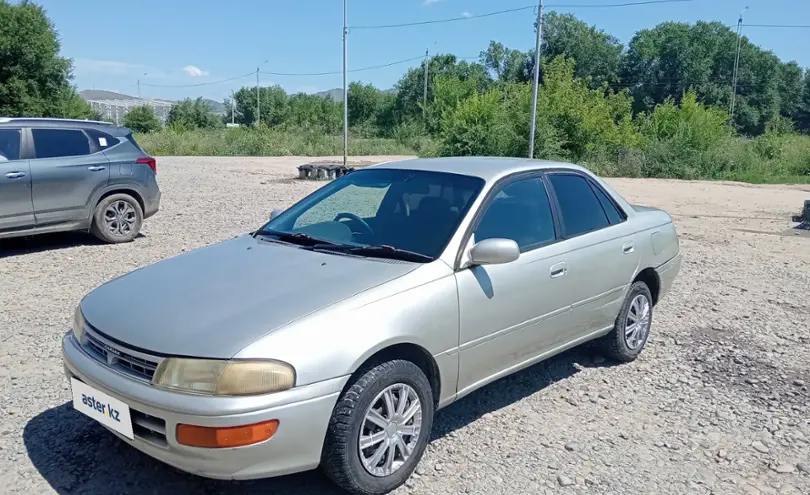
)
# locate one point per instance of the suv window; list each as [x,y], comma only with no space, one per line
[9,144]
[611,211]
[51,143]
[101,140]
[581,211]
[520,211]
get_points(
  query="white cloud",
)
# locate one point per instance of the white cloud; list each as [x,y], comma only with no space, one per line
[194,71]
[428,2]
[466,14]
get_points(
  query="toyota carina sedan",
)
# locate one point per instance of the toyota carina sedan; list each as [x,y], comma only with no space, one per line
[331,335]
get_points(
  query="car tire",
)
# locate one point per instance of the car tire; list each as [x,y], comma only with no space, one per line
[126,224]
[623,343]
[342,458]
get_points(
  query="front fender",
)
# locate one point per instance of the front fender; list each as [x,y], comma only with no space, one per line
[336,341]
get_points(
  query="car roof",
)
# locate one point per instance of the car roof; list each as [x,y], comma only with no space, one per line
[62,123]
[486,167]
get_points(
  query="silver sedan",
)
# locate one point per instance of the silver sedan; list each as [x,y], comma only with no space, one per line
[331,335]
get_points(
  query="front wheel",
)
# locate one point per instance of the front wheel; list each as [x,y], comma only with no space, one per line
[379,429]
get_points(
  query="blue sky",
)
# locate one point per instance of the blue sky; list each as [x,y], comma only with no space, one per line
[184,42]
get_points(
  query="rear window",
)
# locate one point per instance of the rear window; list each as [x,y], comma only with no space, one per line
[9,144]
[101,140]
[53,143]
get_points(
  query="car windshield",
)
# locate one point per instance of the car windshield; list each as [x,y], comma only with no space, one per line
[381,212]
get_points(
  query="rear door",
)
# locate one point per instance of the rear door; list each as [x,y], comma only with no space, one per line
[67,171]
[601,257]
[16,208]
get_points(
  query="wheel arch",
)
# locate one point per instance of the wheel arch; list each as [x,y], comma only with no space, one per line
[407,351]
[650,277]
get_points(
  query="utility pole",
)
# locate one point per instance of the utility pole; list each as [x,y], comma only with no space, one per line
[345,92]
[536,76]
[233,109]
[258,99]
[427,63]
[139,86]
[736,65]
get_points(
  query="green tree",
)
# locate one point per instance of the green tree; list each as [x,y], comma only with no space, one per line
[596,54]
[34,78]
[803,110]
[142,119]
[506,64]
[410,88]
[363,103]
[193,114]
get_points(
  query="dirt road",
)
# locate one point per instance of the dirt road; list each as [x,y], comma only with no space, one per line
[718,403]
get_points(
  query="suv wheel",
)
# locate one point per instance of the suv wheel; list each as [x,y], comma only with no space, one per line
[379,429]
[117,218]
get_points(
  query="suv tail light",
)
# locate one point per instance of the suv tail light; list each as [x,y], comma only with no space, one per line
[149,161]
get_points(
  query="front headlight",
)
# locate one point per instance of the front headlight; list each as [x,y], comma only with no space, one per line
[78,324]
[219,377]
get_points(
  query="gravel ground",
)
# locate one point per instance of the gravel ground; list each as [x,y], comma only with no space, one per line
[718,403]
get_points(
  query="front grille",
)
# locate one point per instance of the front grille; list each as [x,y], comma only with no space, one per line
[149,428]
[118,358]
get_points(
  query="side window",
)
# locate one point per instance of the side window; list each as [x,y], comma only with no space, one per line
[51,143]
[580,209]
[9,144]
[610,209]
[101,140]
[520,211]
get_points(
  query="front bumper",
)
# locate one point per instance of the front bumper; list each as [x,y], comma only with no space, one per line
[303,414]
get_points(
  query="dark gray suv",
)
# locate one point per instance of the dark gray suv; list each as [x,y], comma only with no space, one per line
[59,175]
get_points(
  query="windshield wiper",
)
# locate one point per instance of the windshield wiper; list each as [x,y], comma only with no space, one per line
[379,251]
[295,237]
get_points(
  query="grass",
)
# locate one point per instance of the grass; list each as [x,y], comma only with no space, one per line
[271,142]
[767,159]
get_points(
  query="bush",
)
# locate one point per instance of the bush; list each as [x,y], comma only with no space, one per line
[192,114]
[142,119]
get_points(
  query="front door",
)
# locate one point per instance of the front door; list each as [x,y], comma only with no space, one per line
[16,207]
[66,173]
[513,312]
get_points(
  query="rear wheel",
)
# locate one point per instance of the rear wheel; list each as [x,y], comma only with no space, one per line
[117,218]
[379,429]
[632,327]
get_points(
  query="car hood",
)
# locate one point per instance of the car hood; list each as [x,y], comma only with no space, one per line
[214,301]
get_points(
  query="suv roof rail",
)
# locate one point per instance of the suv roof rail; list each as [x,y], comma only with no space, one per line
[53,119]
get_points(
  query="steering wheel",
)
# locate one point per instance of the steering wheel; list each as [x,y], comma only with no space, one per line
[352,216]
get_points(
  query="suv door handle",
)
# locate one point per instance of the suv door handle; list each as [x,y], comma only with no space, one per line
[15,175]
[628,248]
[558,270]
[96,168]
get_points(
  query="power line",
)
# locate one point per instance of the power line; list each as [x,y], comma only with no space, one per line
[517,9]
[788,26]
[198,84]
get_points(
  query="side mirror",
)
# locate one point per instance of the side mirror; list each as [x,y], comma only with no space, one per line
[494,252]
[275,213]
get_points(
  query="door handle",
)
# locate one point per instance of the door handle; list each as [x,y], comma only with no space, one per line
[96,168]
[628,248]
[558,270]
[15,175]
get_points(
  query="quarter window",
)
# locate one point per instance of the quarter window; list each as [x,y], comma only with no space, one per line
[520,211]
[610,208]
[9,144]
[101,140]
[52,143]
[580,209]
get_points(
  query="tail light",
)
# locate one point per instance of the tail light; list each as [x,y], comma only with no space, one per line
[148,161]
